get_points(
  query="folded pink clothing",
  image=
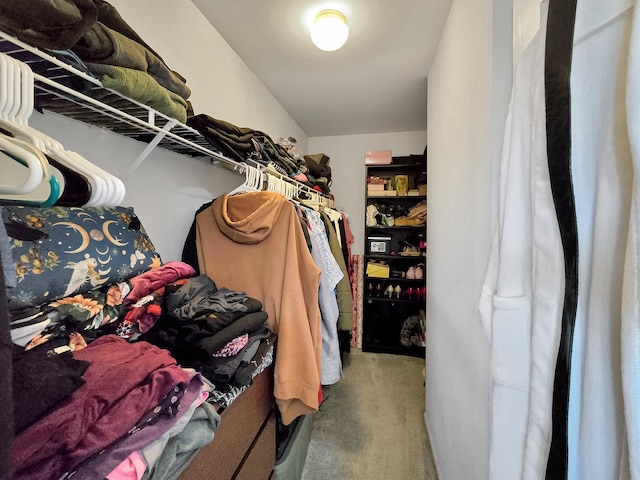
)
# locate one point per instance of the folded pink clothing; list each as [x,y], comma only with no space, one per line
[150,281]
[301,177]
[132,468]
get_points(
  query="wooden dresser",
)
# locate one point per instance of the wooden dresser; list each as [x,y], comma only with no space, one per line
[244,446]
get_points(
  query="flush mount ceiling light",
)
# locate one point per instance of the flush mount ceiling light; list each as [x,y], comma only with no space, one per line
[329,31]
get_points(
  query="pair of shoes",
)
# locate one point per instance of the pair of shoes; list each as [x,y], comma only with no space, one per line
[419,271]
[392,291]
[415,273]
[416,293]
[411,273]
[371,289]
[396,273]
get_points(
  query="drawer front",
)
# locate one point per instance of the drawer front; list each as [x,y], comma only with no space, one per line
[239,426]
[259,464]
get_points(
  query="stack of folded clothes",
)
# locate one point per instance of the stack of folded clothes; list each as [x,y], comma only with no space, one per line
[104,44]
[219,332]
[242,143]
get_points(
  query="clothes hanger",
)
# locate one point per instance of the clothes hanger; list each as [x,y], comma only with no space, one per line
[11,109]
[33,164]
[104,188]
[99,185]
[253,181]
[48,191]
[272,183]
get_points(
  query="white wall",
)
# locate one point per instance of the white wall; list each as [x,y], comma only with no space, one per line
[469,88]
[166,190]
[348,169]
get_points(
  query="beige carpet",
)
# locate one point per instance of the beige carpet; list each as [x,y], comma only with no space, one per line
[371,424]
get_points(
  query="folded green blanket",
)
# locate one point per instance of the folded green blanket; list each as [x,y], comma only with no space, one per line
[142,87]
[111,18]
[103,45]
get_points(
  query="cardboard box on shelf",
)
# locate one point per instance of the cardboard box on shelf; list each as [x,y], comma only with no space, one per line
[377,157]
[375,186]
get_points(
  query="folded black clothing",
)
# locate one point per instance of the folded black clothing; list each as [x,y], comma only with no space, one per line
[234,142]
[245,372]
[211,324]
[55,24]
[242,143]
[220,370]
[200,297]
[226,128]
[249,323]
[41,382]
[317,165]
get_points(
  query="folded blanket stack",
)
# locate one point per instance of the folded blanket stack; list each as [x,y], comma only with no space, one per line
[98,35]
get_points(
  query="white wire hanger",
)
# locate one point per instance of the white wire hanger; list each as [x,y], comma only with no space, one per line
[31,161]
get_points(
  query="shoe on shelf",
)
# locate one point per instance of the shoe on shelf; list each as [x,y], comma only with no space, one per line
[397,291]
[419,272]
[411,273]
[389,220]
[396,273]
[409,250]
[388,292]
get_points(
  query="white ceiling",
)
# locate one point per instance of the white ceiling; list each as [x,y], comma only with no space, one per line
[376,83]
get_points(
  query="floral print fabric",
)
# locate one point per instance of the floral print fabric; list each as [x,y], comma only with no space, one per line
[90,315]
[62,252]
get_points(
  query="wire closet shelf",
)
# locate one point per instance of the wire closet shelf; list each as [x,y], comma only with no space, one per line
[60,88]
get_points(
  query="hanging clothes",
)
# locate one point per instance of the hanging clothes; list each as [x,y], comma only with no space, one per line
[630,333]
[343,289]
[603,175]
[521,312]
[254,242]
[521,305]
[329,277]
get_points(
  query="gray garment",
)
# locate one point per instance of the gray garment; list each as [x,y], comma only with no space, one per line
[6,258]
[152,452]
[331,363]
[181,448]
[200,296]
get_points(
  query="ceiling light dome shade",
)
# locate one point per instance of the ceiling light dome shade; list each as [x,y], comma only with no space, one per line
[329,31]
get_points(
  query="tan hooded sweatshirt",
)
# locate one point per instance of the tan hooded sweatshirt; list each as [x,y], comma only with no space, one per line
[253,242]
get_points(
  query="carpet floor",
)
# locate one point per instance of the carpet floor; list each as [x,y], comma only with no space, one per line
[371,423]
